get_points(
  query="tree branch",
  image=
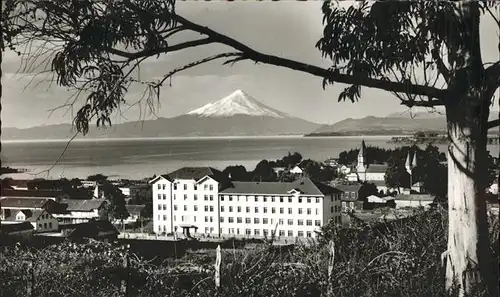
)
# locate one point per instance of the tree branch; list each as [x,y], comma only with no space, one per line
[493,124]
[445,72]
[157,51]
[251,54]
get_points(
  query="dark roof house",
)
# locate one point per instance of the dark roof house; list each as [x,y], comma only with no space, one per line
[83,204]
[135,209]
[376,168]
[25,203]
[305,186]
[96,229]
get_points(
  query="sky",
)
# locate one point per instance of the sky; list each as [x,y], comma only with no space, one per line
[286,28]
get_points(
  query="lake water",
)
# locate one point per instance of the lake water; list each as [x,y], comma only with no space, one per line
[140,158]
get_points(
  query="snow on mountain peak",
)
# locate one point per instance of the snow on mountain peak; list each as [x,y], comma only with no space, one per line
[237,103]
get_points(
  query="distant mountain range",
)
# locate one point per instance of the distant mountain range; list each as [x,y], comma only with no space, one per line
[238,114]
[393,124]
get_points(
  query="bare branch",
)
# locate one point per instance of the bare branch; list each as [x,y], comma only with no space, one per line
[493,124]
[196,63]
[443,70]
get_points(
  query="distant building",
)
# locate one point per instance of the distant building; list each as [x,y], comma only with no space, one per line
[206,200]
[369,172]
[96,229]
[41,220]
[80,211]
[413,200]
[349,197]
[18,231]
[135,213]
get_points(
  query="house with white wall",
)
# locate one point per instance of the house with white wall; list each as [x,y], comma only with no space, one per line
[80,210]
[41,220]
[205,199]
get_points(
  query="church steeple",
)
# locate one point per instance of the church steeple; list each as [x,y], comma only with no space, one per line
[361,166]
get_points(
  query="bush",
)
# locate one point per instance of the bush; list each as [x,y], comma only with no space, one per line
[401,258]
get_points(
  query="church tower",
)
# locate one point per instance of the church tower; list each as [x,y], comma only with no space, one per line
[361,166]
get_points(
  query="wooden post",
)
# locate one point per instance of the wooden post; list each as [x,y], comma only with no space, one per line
[30,279]
[217,267]
[331,262]
[124,283]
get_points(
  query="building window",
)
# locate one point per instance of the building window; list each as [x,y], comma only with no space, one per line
[256,199]
[289,201]
[300,222]
[185,187]
[282,233]
[159,187]
[265,232]
[282,210]
[300,210]
[272,199]
[175,197]
[221,198]
[40,226]
[50,225]
[265,199]
[211,197]
[248,232]
[239,208]
[265,221]
[211,187]
[164,197]
[230,209]
[289,210]
[317,223]
[205,197]
[309,222]
[256,210]
[195,197]
[175,218]
[182,218]
[300,200]
[159,196]
[309,234]
[175,186]
[331,197]
[206,207]
[317,211]
[231,220]
[185,207]
[317,200]
[194,219]
[222,219]
[196,208]
[331,209]
[239,220]
[308,211]
[248,221]
[195,187]
[175,207]
[206,230]
[164,217]
[290,233]
[281,199]
[280,221]
[290,222]
[211,208]
[265,209]
[308,200]
[222,209]
[185,196]
[206,219]
[205,187]
[256,232]
[273,210]
[230,198]
[256,221]
[300,234]
[247,209]
[159,206]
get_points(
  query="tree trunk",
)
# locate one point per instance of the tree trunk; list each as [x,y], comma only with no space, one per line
[469,259]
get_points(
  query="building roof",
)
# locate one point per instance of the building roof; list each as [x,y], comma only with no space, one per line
[303,185]
[378,183]
[418,184]
[31,216]
[349,188]
[22,226]
[23,203]
[414,197]
[31,193]
[135,209]
[83,204]
[376,168]
[91,229]
[196,173]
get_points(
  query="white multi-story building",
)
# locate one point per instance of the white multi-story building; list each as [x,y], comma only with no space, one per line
[205,199]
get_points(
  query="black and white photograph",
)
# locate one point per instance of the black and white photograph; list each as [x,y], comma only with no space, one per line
[249,148]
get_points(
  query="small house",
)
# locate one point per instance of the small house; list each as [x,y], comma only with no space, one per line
[414,200]
[41,220]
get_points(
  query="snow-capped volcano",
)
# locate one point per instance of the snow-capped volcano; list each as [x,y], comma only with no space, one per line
[237,103]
